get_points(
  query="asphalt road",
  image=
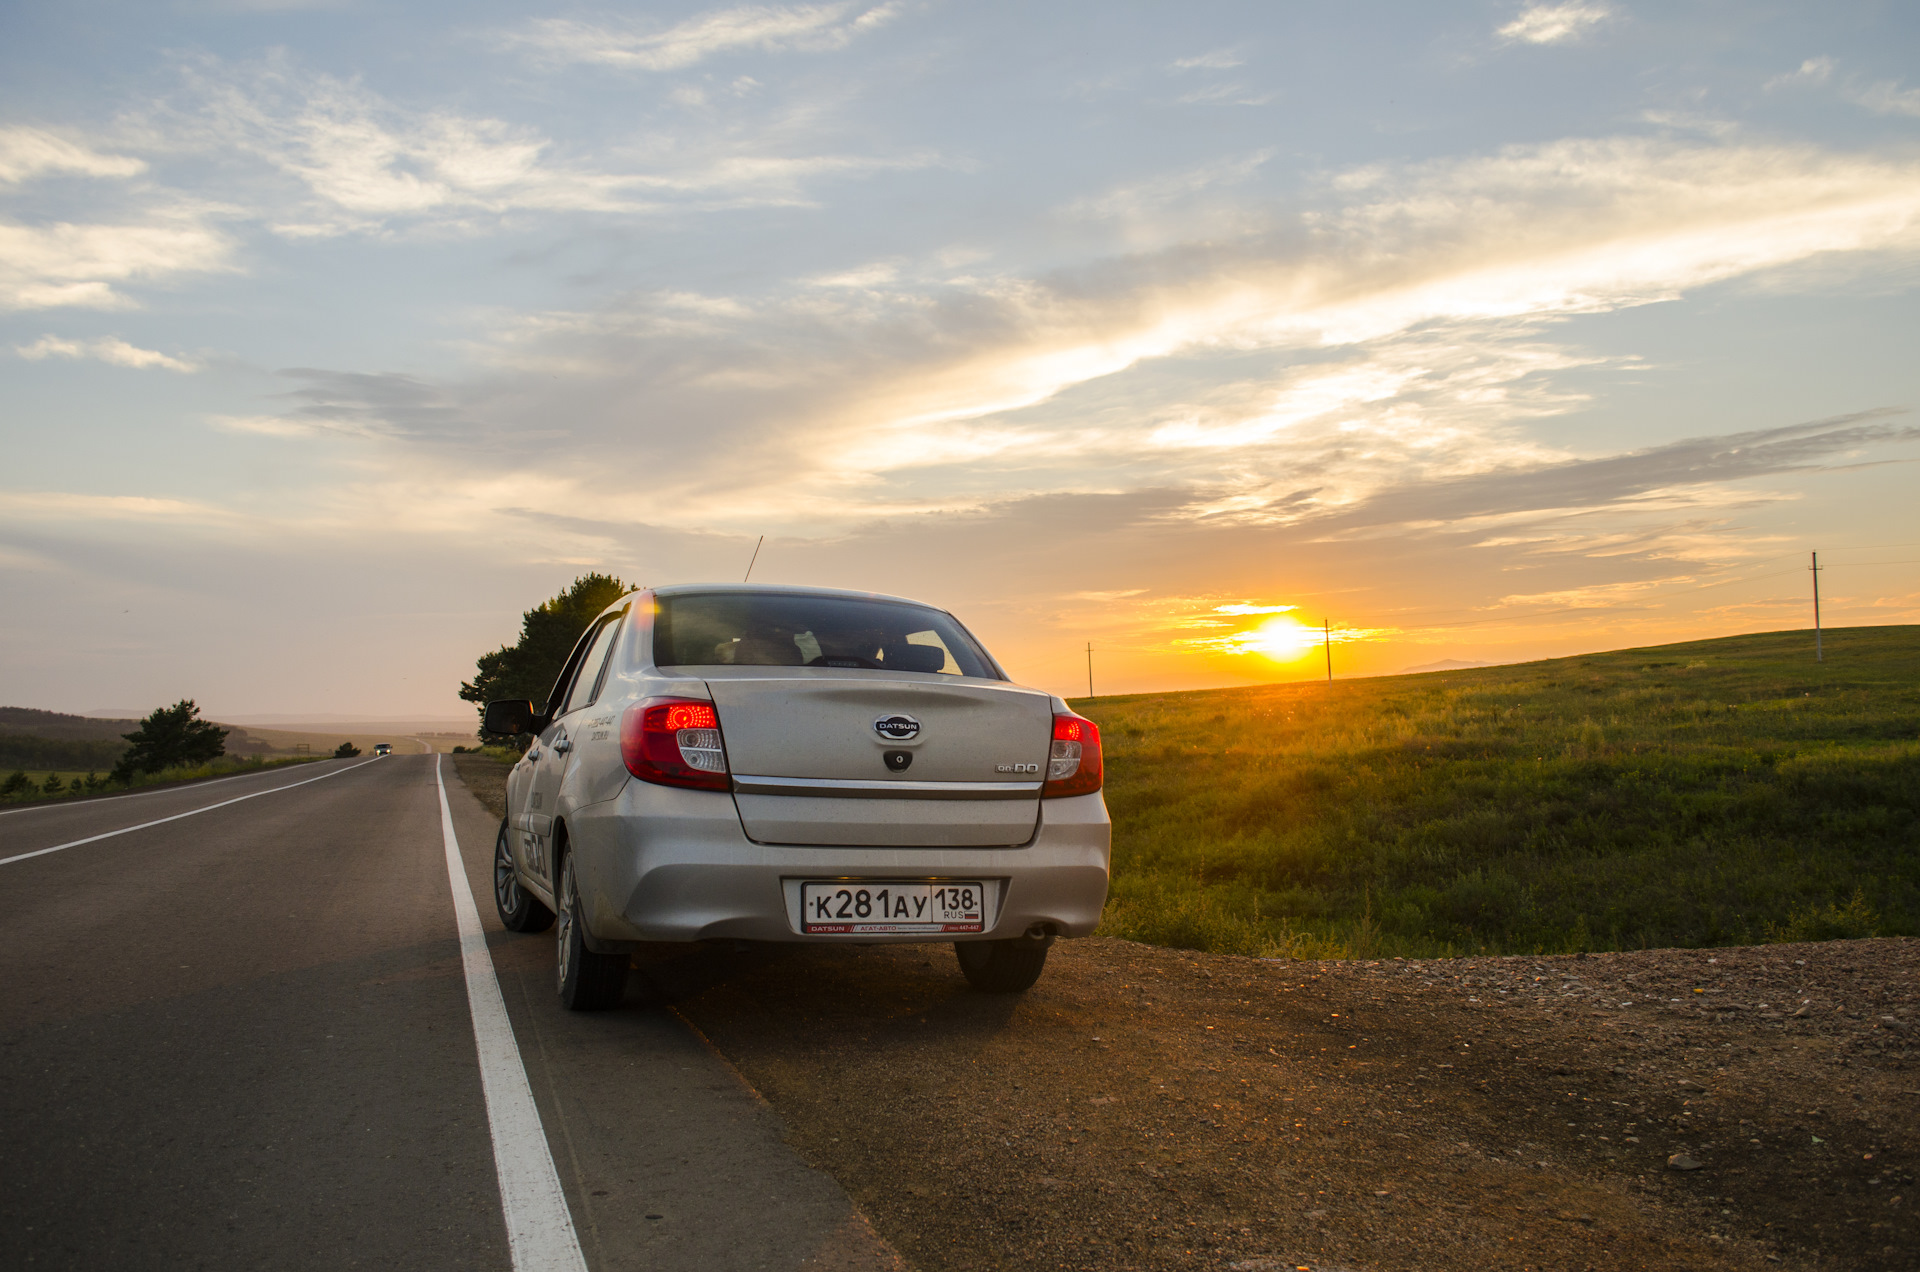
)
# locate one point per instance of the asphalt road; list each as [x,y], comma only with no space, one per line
[242,1037]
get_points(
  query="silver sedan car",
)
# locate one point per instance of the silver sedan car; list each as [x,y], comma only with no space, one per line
[796,764]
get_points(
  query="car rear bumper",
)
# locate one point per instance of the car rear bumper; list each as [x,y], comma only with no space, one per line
[662,864]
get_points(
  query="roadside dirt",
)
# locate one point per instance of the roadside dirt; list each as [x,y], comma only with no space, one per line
[1148,1108]
[486,777]
[1159,1109]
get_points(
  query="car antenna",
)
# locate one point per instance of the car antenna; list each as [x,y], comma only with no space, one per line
[756,557]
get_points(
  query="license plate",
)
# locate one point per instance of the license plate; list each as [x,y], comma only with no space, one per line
[891,906]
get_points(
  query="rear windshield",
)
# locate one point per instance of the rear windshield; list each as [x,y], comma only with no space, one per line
[772,630]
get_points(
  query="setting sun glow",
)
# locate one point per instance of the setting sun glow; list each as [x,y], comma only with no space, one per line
[1281,639]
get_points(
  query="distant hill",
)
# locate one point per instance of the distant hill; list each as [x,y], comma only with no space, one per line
[1445,664]
[58,725]
[31,739]
[34,739]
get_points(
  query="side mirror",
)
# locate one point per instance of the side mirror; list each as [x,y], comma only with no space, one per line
[508,717]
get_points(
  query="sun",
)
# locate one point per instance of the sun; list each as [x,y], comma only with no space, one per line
[1280,639]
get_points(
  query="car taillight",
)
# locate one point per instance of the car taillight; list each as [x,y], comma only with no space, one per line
[674,742]
[1073,765]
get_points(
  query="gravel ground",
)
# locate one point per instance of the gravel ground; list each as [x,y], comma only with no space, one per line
[1148,1108]
[1152,1108]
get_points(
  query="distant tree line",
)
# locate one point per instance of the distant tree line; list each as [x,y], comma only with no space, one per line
[528,668]
[25,752]
[172,737]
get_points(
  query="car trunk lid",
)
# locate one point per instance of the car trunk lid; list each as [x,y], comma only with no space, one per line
[811,767]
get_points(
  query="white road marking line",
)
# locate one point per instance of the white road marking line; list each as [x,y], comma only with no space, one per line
[165,790]
[539,1226]
[191,812]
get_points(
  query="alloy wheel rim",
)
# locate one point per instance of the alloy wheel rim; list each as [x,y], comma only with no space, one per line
[565,925]
[506,888]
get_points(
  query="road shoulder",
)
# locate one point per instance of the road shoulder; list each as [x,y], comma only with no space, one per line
[668,1157]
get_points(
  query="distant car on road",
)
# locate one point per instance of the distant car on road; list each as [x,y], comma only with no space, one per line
[796,764]
[383,748]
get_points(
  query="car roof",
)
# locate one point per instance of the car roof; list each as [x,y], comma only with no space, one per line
[784,589]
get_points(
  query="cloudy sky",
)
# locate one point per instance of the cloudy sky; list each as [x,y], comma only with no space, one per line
[334,335]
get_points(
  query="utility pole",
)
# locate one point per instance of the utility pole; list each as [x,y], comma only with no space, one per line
[1089,669]
[1815,568]
[1326,632]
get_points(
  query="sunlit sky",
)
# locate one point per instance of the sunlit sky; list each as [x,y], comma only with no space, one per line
[337,334]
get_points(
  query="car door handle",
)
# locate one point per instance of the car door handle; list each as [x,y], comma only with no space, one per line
[562,746]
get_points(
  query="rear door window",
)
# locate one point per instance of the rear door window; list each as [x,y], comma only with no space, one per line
[586,680]
[773,630]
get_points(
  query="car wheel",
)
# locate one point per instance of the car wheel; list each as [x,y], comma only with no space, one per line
[519,910]
[588,981]
[1002,967]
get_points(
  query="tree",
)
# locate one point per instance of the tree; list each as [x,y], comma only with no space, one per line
[172,735]
[345,751]
[16,782]
[528,668]
[53,785]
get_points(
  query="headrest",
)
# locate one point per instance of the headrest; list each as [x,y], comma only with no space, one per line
[913,657]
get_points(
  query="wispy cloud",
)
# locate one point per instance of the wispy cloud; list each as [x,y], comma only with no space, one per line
[109,349]
[75,506]
[1232,93]
[365,161]
[1882,97]
[1214,60]
[1815,70]
[1672,475]
[363,405]
[1182,202]
[56,263]
[1405,321]
[1598,595]
[31,152]
[1887,97]
[369,164]
[309,155]
[63,264]
[1555,23]
[632,46]
[1691,121]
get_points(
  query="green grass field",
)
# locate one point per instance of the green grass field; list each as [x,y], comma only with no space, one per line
[1710,793]
[225,766]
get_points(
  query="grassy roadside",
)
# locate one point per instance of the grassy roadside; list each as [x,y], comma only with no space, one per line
[485,774]
[1709,793]
[68,776]
[226,766]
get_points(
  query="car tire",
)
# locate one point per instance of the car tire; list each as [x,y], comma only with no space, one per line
[1002,967]
[588,981]
[519,909]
